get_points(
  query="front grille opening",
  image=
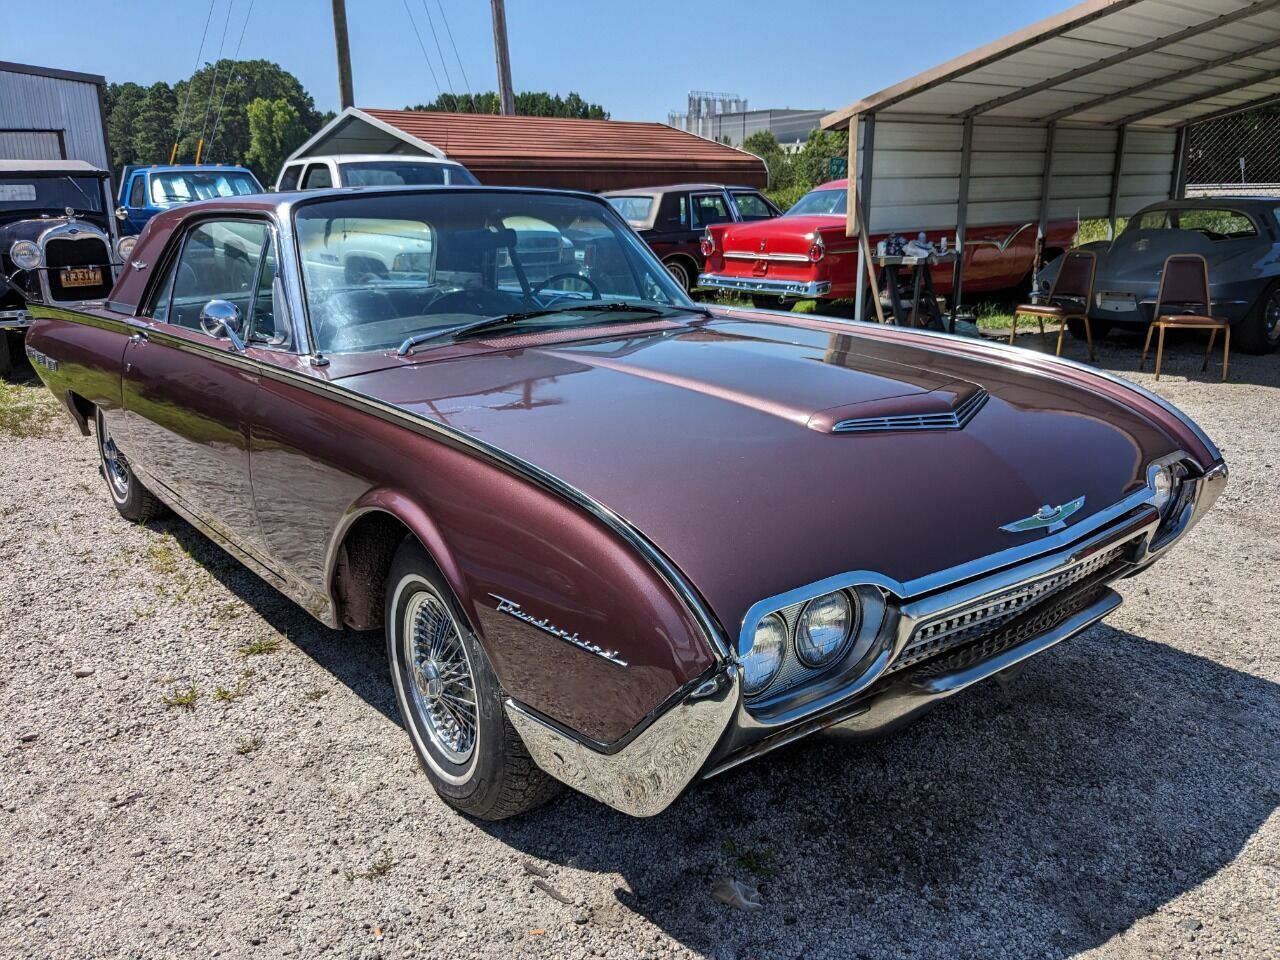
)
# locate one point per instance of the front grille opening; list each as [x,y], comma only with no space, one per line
[91,252]
[986,617]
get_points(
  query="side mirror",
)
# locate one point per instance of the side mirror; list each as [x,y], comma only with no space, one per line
[122,214]
[221,319]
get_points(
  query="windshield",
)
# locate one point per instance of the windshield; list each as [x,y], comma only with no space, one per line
[50,194]
[379,269]
[185,186]
[398,173]
[820,202]
[1214,224]
[633,209]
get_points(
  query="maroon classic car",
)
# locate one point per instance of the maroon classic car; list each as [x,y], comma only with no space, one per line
[805,253]
[615,539]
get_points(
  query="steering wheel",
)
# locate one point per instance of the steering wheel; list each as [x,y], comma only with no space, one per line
[560,295]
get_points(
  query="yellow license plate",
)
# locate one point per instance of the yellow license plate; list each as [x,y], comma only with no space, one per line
[81,276]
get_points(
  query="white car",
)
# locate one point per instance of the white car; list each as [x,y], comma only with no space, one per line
[371,170]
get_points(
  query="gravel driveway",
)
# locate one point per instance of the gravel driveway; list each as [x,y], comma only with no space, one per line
[191,767]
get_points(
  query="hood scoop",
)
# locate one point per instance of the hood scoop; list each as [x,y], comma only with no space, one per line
[949,408]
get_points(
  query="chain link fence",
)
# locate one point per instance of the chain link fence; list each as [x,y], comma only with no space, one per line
[1235,154]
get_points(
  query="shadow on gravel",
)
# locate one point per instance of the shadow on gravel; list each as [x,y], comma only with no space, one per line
[1116,774]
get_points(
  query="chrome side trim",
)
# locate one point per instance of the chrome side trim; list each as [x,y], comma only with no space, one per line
[644,777]
[773,257]
[763,285]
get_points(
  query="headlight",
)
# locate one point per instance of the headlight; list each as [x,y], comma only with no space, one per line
[1163,482]
[761,663]
[823,632]
[124,247]
[25,254]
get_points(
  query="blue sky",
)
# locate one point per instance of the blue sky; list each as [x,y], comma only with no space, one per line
[638,59]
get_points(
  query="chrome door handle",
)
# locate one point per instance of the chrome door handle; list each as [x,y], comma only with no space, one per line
[139,337]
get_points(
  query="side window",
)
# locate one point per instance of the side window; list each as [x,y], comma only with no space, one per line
[138,191]
[752,206]
[289,179]
[709,208]
[158,308]
[219,261]
[317,177]
[684,210]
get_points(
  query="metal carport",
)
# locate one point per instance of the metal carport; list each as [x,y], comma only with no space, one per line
[1085,113]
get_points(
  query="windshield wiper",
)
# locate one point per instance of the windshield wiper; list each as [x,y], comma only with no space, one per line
[487,323]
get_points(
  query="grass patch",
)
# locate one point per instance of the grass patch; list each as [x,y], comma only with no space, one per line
[227,611]
[182,697]
[759,862]
[247,745]
[230,694]
[379,868]
[26,410]
[258,648]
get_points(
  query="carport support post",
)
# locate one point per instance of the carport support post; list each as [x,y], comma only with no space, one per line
[1046,179]
[962,218]
[1178,189]
[1116,171]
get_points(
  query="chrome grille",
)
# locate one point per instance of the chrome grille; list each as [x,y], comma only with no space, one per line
[934,637]
[951,420]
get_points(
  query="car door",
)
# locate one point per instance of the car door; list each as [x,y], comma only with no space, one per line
[136,205]
[188,395]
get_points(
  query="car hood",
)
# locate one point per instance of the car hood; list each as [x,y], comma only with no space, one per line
[716,439]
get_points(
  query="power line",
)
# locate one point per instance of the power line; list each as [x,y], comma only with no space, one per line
[447,29]
[422,46]
[231,74]
[213,87]
[186,94]
[445,66]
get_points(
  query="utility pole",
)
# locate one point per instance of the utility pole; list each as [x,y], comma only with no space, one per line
[506,98]
[345,94]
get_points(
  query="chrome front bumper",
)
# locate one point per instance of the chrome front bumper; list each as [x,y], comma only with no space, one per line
[765,286]
[14,319]
[707,728]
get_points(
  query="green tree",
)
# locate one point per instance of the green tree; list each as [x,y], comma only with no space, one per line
[764,145]
[813,162]
[153,129]
[528,104]
[275,131]
[215,106]
[123,102]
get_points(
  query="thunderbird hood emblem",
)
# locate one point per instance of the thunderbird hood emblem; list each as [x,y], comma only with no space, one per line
[1048,518]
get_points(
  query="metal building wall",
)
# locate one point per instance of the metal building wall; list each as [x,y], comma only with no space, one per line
[45,103]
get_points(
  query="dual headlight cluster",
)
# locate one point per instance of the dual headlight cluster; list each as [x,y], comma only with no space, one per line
[1168,481]
[821,635]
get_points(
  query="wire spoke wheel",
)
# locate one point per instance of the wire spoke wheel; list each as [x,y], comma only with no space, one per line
[440,680]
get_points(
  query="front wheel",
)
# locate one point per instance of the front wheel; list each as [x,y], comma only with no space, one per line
[133,501]
[1259,332]
[450,698]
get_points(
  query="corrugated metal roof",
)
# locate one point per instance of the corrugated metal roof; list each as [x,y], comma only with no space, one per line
[588,154]
[1158,64]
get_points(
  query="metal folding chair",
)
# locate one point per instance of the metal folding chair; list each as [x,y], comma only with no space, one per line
[1184,285]
[1068,298]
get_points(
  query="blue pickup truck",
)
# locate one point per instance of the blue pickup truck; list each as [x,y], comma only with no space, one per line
[146,191]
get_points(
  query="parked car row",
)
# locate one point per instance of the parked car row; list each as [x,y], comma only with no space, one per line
[530,477]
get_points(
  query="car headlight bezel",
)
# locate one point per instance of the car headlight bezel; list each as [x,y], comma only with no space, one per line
[26,255]
[834,613]
[124,247]
[760,664]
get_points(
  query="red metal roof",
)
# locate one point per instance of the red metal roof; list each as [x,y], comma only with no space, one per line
[580,154]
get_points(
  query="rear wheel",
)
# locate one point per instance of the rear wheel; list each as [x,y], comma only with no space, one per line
[1259,332]
[450,698]
[133,501]
[680,271]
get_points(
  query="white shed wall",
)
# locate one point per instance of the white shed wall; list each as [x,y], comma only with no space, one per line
[37,103]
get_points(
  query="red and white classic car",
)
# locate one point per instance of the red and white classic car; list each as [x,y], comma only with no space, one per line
[805,253]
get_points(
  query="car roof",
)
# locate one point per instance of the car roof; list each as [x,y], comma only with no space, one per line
[361,157]
[186,167]
[676,188]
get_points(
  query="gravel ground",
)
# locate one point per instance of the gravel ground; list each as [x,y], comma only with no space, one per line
[191,767]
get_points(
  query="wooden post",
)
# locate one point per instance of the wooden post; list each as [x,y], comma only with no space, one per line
[346,95]
[506,96]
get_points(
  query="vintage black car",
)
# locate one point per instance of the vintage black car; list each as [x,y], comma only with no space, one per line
[1239,237]
[57,241]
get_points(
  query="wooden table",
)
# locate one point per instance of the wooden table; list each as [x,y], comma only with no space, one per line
[923,296]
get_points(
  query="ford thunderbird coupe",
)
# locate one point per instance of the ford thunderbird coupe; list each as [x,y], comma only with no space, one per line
[615,540]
